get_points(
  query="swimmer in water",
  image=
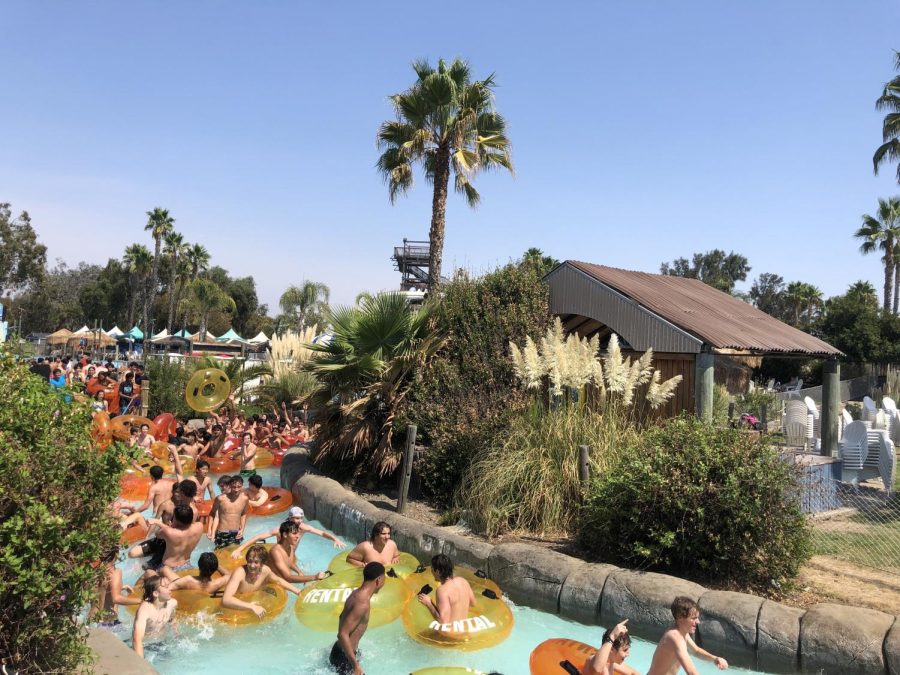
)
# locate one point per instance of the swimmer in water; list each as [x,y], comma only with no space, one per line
[156,611]
[354,621]
[251,577]
[379,548]
[615,646]
[673,650]
[454,595]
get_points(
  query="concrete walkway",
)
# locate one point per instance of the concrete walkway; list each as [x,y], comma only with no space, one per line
[114,657]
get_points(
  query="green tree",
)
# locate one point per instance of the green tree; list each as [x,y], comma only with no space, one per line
[198,258]
[106,299]
[715,268]
[159,224]
[175,249]
[365,372]
[850,322]
[767,295]
[205,296]
[444,120]
[889,100]
[542,263]
[304,306]
[882,232]
[22,258]
[139,263]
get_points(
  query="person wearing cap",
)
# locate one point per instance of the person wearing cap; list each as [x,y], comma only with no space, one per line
[294,515]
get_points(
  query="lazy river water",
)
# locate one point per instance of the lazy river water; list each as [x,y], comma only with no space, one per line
[284,646]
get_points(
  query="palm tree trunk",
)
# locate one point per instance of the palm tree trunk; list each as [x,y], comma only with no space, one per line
[203,318]
[170,320]
[888,280]
[896,284]
[151,293]
[179,289]
[438,216]
[132,301]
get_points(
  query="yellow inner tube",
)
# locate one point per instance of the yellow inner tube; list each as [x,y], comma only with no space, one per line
[447,670]
[407,565]
[319,605]
[488,623]
[207,389]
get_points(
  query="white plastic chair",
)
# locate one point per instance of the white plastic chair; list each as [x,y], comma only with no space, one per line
[854,446]
[868,410]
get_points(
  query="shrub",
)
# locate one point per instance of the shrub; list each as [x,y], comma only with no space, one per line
[54,522]
[702,502]
[468,396]
[753,402]
[168,380]
[528,480]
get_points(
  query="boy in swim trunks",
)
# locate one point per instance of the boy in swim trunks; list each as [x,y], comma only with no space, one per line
[208,566]
[672,650]
[229,515]
[155,612]
[255,492]
[251,577]
[282,558]
[379,548]
[180,538]
[354,620]
[247,452]
[295,515]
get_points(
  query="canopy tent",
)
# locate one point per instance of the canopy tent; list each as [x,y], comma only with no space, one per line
[230,335]
[59,337]
[259,339]
[115,332]
[135,334]
[164,333]
[82,331]
[183,333]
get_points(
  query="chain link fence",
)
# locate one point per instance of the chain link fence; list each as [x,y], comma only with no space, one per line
[860,525]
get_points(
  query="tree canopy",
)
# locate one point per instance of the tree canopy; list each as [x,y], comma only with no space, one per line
[22,257]
[715,268]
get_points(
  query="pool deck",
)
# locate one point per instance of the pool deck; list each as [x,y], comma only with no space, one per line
[114,657]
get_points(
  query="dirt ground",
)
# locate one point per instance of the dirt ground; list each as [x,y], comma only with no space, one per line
[822,579]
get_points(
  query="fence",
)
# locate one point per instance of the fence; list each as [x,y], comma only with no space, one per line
[852,389]
[857,525]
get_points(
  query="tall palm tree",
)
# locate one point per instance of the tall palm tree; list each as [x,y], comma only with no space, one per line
[159,224]
[203,297]
[175,249]
[138,262]
[197,257]
[882,231]
[813,299]
[890,130]
[365,372]
[795,295]
[305,305]
[444,120]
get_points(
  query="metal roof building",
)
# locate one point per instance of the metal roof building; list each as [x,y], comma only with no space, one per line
[686,322]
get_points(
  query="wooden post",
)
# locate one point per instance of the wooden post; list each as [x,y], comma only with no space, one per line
[406,472]
[764,418]
[145,397]
[831,407]
[703,385]
[731,413]
[584,475]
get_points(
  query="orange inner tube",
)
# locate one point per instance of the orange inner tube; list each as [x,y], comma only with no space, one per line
[122,425]
[134,534]
[279,500]
[101,433]
[223,464]
[134,486]
[165,426]
[547,656]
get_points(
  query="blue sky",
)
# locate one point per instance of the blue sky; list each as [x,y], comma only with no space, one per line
[642,131]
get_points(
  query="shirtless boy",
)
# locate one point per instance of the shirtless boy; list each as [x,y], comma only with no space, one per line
[282,558]
[454,595]
[255,492]
[229,515]
[672,650]
[145,439]
[354,621]
[251,577]
[379,548]
[156,612]
[295,515]
[208,566]
[247,452]
[111,591]
[180,537]
[160,490]
[615,646]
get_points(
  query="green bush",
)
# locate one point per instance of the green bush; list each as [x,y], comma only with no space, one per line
[168,380]
[702,502]
[528,480]
[54,522]
[469,394]
[753,402]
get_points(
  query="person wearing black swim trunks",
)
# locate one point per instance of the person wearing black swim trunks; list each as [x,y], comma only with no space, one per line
[229,515]
[354,620]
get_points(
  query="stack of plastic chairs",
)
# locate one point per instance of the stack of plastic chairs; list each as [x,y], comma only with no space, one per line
[854,446]
[795,423]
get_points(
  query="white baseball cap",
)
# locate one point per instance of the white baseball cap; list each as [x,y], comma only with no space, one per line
[295,512]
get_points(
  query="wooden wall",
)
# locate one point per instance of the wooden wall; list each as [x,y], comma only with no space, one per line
[670,365]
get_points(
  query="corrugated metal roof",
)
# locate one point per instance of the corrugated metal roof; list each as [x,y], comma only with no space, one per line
[719,319]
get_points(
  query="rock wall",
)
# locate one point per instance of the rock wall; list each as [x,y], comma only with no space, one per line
[749,631]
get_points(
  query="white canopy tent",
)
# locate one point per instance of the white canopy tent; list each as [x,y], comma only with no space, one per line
[259,339]
[114,332]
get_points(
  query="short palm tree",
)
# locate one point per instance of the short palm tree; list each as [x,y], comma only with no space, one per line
[365,372]
[175,249]
[159,224]
[882,232]
[444,120]
[203,297]
[138,262]
[304,306]
[889,100]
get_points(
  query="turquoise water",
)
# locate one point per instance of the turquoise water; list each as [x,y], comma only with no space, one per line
[285,647]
